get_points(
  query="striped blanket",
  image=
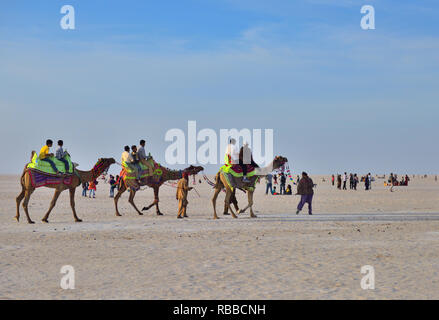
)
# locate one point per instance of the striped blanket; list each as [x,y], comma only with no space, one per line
[39,179]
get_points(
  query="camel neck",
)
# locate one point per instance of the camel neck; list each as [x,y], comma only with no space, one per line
[265,170]
[174,175]
[85,176]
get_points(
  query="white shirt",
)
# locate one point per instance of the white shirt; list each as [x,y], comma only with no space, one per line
[232,150]
[126,157]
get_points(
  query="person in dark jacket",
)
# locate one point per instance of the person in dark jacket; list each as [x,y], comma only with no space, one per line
[283,181]
[246,158]
[339,181]
[306,192]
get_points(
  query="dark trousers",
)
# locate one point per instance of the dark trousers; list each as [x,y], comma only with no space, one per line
[344,185]
[269,186]
[244,166]
[282,188]
[305,198]
[52,164]
[66,164]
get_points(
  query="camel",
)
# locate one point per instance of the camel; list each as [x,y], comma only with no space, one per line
[77,178]
[227,182]
[155,182]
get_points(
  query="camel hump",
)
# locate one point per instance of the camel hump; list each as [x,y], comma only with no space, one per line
[32,155]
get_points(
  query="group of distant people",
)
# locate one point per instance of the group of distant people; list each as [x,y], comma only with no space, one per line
[272,189]
[353,179]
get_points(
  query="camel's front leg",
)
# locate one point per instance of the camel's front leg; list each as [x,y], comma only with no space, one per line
[52,205]
[72,204]
[227,202]
[27,195]
[122,189]
[215,196]
[18,201]
[131,200]
[250,204]
[156,200]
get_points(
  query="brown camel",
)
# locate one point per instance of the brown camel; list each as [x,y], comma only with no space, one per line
[155,182]
[80,176]
[222,181]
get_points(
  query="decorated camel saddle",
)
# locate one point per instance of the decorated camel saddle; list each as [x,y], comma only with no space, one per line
[41,173]
[233,175]
[127,173]
[45,167]
[236,170]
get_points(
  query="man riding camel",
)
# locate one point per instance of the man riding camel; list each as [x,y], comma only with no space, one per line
[128,160]
[246,158]
[45,155]
[232,155]
[143,158]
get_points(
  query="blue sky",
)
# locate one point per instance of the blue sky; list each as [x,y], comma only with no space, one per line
[339,98]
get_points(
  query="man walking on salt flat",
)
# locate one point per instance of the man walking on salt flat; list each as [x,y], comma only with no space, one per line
[306,192]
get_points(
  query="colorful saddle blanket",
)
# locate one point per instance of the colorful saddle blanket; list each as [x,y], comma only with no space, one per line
[236,170]
[39,179]
[45,167]
[128,173]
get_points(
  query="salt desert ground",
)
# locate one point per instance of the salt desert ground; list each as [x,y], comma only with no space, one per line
[279,255]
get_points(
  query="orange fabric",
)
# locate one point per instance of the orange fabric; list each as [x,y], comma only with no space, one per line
[92,186]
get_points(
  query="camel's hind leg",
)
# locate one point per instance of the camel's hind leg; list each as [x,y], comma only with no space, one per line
[227,202]
[215,196]
[234,202]
[52,205]
[122,189]
[72,204]
[131,200]
[18,201]
[27,195]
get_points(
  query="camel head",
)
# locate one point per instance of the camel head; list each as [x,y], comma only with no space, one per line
[279,161]
[193,170]
[101,166]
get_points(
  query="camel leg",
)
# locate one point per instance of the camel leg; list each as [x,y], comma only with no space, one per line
[149,206]
[27,195]
[227,202]
[250,204]
[131,200]
[52,205]
[215,196]
[234,201]
[72,204]
[156,200]
[18,201]
[122,189]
